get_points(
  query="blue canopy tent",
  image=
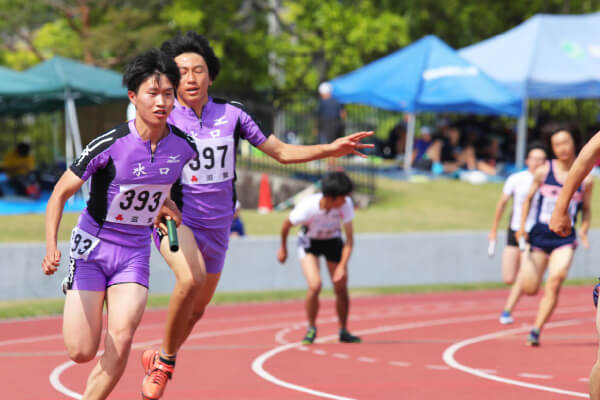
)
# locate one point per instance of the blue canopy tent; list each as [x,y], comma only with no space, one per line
[427,75]
[547,56]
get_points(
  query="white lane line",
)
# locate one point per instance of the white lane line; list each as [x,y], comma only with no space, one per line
[487,371]
[258,363]
[367,359]
[31,339]
[438,367]
[319,352]
[341,356]
[257,367]
[586,380]
[400,363]
[449,359]
[302,348]
[57,384]
[535,376]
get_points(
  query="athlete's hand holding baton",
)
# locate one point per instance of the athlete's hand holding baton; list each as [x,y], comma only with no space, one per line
[167,220]
[521,237]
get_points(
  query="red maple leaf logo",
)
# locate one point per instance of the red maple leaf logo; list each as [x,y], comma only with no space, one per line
[194,179]
[119,217]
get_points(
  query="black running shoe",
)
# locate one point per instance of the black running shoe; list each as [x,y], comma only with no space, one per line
[347,337]
[595,294]
[311,334]
[533,339]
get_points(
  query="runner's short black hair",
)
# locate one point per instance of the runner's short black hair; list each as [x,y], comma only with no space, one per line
[150,63]
[192,42]
[537,146]
[336,184]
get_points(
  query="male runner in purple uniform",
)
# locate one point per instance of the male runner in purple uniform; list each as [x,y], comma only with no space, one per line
[207,196]
[132,170]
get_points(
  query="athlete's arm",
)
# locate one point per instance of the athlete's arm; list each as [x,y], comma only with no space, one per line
[560,222]
[289,153]
[586,212]
[67,186]
[538,179]
[285,229]
[500,206]
[341,272]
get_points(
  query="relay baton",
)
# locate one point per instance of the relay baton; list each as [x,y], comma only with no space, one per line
[172,233]
[522,244]
[491,248]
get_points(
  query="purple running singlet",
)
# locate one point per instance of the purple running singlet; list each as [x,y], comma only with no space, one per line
[129,184]
[206,193]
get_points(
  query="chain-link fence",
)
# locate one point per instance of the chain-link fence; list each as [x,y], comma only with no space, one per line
[293,120]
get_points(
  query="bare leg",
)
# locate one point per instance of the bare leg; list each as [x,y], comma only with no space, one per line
[200,302]
[533,266]
[595,373]
[82,324]
[190,277]
[510,263]
[342,300]
[125,307]
[310,267]
[560,262]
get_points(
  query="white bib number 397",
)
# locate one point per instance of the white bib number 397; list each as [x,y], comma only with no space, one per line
[215,162]
[137,204]
[82,244]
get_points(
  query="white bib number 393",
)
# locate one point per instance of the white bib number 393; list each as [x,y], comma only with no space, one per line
[82,244]
[137,204]
[215,162]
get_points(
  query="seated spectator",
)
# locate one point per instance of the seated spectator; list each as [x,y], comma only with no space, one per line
[421,158]
[448,152]
[489,155]
[19,165]
[237,226]
[394,147]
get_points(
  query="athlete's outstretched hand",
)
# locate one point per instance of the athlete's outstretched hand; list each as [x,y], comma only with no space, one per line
[560,223]
[51,261]
[282,255]
[351,144]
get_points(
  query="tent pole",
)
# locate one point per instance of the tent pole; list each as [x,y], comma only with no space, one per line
[522,136]
[408,148]
[68,139]
[74,130]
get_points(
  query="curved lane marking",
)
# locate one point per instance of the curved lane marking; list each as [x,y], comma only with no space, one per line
[449,359]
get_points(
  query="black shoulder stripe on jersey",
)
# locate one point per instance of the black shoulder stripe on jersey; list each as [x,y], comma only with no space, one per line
[97,204]
[177,194]
[178,132]
[242,107]
[97,146]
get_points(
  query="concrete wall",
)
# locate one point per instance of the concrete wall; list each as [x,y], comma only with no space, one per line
[378,260]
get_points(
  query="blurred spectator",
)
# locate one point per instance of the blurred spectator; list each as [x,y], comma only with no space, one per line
[421,159]
[330,116]
[19,165]
[394,146]
[237,226]
[448,152]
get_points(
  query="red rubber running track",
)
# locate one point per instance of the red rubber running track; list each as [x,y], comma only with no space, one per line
[415,347]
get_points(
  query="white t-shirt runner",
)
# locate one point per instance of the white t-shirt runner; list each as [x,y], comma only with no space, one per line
[319,223]
[517,186]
